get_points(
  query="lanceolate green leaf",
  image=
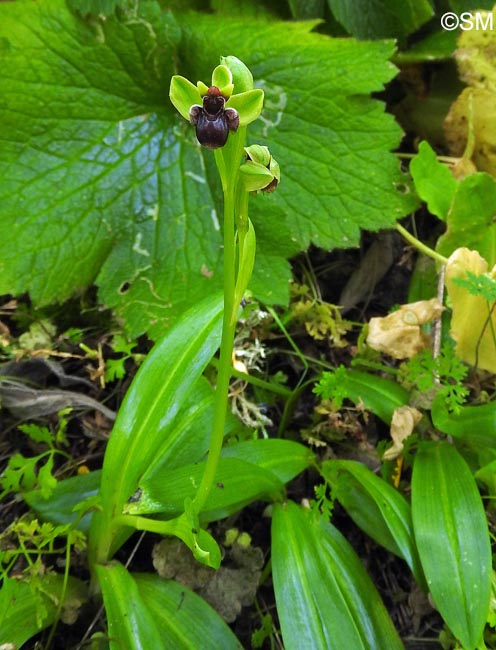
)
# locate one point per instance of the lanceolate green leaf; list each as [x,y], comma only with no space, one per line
[84,110]
[238,483]
[255,469]
[151,404]
[131,624]
[324,597]
[26,609]
[452,539]
[377,507]
[474,425]
[379,395]
[67,494]
[145,612]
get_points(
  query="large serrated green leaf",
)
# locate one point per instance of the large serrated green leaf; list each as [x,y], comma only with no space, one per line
[452,539]
[324,597]
[382,18]
[102,182]
[152,402]
[377,508]
[145,612]
[26,609]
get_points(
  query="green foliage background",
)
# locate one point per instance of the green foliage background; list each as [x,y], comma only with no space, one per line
[102,182]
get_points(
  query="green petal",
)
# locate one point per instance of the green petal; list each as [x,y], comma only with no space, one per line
[183,95]
[222,77]
[249,105]
[202,88]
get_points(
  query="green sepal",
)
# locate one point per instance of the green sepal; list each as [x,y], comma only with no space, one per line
[254,176]
[241,75]
[183,95]
[248,104]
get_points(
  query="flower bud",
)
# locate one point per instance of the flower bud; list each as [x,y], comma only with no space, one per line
[261,171]
[241,75]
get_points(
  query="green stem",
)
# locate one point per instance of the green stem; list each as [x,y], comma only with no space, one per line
[228,161]
[256,381]
[420,246]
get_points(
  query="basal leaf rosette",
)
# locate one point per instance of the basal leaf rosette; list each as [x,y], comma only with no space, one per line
[237,91]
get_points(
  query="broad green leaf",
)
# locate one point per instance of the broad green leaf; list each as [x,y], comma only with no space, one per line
[283,458]
[474,425]
[306,9]
[136,204]
[324,597]
[175,607]
[423,282]
[251,470]
[67,494]
[151,404]
[96,7]
[144,610]
[470,221]
[436,46]
[382,18]
[434,182]
[379,395]
[377,508]
[131,624]
[452,539]
[26,609]
[237,484]
[187,439]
